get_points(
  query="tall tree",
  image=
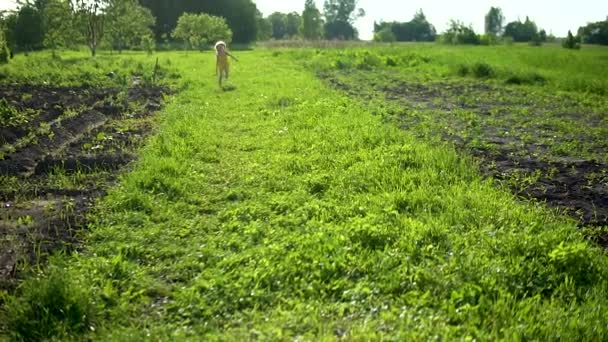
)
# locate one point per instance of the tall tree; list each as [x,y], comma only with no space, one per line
[240,15]
[127,24]
[278,21]
[197,30]
[312,24]
[91,15]
[293,21]
[521,32]
[340,16]
[264,27]
[595,33]
[28,32]
[59,24]
[571,42]
[494,21]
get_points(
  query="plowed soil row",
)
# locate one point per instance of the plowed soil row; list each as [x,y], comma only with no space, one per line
[55,164]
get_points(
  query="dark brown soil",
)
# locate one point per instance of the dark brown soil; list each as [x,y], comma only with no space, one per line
[513,146]
[56,165]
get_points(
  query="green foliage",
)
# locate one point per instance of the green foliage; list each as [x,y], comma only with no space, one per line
[198,30]
[60,25]
[264,27]
[340,16]
[385,35]
[494,21]
[293,21]
[50,306]
[483,70]
[278,22]
[28,30]
[91,20]
[521,32]
[458,34]
[148,44]
[240,15]
[594,33]
[312,23]
[571,42]
[127,23]
[418,29]
[531,78]
[314,219]
[4,50]
[75,70]
[488,39]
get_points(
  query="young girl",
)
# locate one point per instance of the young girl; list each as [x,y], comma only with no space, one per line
[222,67]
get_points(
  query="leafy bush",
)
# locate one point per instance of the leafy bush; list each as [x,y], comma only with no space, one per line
[458,34]
[526,78]
[369,61]
[488,39]
[462,70]
[482,70]
[385,35]
[571,42]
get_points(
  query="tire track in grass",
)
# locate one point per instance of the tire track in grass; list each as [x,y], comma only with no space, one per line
[282,210]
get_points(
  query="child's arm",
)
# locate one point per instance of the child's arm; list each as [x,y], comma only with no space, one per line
[229,54]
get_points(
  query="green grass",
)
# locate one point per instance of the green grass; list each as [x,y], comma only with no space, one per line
[285,210]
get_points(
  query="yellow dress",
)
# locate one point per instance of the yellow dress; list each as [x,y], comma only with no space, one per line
[223,66]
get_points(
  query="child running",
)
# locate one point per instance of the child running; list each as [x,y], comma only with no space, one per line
[222,66]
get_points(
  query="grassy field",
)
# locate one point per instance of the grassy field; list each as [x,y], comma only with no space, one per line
[311,208]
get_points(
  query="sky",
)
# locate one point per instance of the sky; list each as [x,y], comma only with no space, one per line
[555,17]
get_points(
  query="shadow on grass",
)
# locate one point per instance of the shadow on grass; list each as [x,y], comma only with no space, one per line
[229,87]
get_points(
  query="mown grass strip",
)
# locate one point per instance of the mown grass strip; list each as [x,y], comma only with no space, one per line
[284,210]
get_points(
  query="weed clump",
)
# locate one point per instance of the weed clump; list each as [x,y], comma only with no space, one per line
[462,70]
[48,307]
[530,78]
[482,70]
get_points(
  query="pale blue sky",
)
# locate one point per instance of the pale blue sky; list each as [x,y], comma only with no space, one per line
[554,16]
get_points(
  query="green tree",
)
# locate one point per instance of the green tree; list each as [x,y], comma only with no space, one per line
[28,32]
[312,24]
[571,42]
[494,21]
[595,33]
[127,24]
[91,21]
[197,30]
[59,25]
[293,21]
[417,29]
[459,33]
[278,21]
[521,32]
[240,15]
[264,27]
[340,16]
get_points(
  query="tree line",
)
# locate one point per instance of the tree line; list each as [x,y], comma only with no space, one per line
[128,24]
